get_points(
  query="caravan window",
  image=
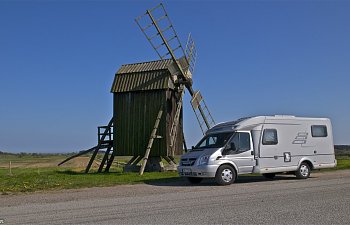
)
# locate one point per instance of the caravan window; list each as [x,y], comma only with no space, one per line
[319,131]
[270,137]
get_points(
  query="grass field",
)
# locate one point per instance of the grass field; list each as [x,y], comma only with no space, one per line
[31,179]
[343,162]
[40,172]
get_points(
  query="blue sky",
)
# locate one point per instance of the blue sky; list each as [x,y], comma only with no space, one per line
[58,60]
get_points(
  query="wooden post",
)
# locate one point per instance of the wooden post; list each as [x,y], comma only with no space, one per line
[105,159]
[109,162]
[184,140]
[151,139]
[10,168]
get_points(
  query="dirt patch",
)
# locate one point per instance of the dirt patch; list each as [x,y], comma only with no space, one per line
[46,162]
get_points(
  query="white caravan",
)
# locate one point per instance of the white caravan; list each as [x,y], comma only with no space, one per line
[262,144]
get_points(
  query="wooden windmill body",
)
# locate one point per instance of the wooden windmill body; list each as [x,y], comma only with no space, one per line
[139,91]
[147,121]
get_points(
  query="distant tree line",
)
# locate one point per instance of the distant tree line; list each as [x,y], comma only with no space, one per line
[342,147]
[36,154]
[339,150]
[6,153]
[342,150]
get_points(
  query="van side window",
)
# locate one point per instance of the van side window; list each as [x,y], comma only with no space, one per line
[241,142]
[212,140]
[270,137]
[319,131]
[244,142]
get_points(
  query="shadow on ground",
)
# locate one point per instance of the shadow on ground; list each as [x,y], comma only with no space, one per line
[181,182]
[72,172]
[177,182]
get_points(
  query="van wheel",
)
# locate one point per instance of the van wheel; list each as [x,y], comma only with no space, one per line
[194,180]
[303,171]
[225,175]
[269,176]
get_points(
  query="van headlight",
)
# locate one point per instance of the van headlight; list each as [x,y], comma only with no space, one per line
[203,160]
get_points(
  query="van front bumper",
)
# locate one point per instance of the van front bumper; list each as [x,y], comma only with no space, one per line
[204,171]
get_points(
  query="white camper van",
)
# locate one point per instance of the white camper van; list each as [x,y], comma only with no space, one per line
[262,144]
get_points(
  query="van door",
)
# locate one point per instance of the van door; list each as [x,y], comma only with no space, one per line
[240,151]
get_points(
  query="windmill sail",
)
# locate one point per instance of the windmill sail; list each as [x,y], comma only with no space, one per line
[159,31]
[191,54]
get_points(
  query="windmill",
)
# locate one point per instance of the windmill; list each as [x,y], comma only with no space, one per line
[148,102]
[159,31]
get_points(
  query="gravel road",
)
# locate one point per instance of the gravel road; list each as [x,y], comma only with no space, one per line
[324,198]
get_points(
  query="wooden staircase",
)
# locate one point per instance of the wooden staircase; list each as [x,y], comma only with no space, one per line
[105,141]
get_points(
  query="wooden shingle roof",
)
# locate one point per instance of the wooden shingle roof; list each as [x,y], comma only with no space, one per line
[143,76]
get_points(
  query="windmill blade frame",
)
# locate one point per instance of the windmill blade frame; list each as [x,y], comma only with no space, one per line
[165,42]
[183,71]
[191,53]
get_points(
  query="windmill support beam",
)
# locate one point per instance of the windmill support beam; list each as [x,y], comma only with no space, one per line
[152,137]
[184,141]
[77,155]
[172,163]
[132,166]
[132,160]
[154,164]
[92,159]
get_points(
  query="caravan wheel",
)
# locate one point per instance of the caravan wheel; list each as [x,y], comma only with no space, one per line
[303,171]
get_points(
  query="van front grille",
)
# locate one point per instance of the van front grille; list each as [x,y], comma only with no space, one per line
[188,161]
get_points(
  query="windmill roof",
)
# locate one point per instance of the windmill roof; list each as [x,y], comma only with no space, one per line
[143,76]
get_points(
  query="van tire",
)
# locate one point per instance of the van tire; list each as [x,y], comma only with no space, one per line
[194,180]
[269,176]
[303,171]
[225,175]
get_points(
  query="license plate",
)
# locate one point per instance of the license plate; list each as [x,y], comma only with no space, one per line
[186,171]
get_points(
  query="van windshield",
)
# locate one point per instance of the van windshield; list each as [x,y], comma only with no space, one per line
[216,140]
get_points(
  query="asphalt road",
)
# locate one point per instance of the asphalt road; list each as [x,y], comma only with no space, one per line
[324,198]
